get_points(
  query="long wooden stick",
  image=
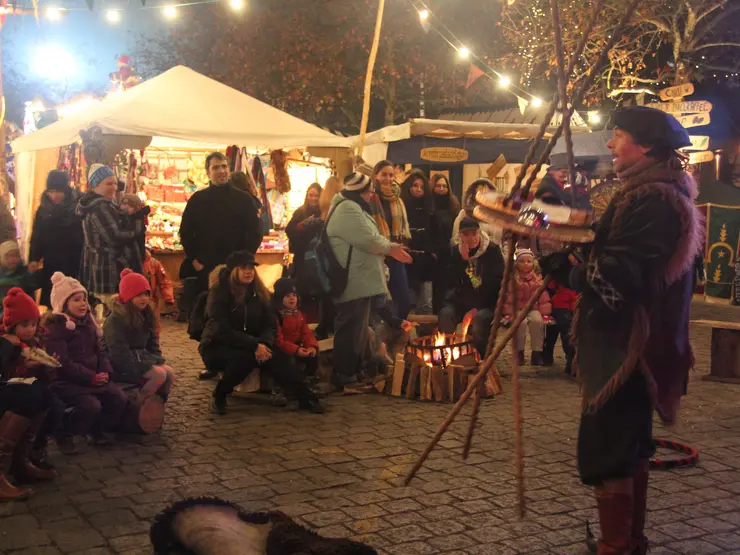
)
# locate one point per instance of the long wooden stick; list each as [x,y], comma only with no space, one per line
[519,445]
[495,325]
[472,384]
[563,88]
[369,76]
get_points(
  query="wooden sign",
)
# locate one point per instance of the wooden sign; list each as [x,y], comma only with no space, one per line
[692,107]
[698,142]
[701,157]
[679,91]
[444,154]
[694,120]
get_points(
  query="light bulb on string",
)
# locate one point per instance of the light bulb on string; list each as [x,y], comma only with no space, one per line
[53,13]
[504,82]
[536,102]
[170,12]
[594,118]
[423,14]
[112,16]
[463,52]
[237,5]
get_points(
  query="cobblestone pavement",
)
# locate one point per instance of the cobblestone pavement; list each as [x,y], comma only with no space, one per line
[341,472]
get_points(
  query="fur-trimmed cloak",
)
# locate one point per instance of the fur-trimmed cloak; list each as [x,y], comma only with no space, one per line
[636,287]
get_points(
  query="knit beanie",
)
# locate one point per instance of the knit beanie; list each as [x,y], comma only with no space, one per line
[469,223]
[6,247]
[132,284]
[283,287]
[97,173]
[17,307]
[356,181]
[520,253]
[62,288]
[57,180]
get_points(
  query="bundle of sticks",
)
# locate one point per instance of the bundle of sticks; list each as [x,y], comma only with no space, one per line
[521,190]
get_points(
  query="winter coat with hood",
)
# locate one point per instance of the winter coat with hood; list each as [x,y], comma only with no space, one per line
[351,224]
[77,344]
[106,242]
[133,351]
[475,283]
[526,285]
[236,326]
[57,239]
[636,288]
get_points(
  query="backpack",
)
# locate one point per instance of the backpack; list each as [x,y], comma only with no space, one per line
[322,273]
[197,321]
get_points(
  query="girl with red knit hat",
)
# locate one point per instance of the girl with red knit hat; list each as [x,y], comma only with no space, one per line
[131,337]
[84,379]
[25,400]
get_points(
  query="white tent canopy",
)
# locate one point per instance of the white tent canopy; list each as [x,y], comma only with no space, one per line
[185,105]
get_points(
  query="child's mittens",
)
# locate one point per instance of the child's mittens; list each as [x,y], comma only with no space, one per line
[548,320]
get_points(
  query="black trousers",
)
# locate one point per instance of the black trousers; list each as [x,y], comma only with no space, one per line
[237,364]
[27,400]
[613,439]
[563,319]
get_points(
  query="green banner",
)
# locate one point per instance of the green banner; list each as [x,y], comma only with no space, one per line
[723,241]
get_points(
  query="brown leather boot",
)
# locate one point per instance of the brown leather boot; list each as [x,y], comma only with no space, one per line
[615,501]
[12,429]
[23,469]
[639,514]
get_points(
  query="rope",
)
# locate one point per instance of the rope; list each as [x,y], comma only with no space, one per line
[691,458]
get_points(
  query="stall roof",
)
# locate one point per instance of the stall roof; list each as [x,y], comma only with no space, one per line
[183,104]
[453,129]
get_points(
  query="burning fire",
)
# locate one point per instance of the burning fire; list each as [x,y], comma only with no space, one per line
[450,353]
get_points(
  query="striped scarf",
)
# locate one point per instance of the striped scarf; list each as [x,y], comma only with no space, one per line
[399,224]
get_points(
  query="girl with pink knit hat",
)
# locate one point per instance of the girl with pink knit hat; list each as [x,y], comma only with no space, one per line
[131,338]
[84,379]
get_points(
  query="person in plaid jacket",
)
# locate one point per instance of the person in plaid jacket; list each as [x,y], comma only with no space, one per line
[106,239]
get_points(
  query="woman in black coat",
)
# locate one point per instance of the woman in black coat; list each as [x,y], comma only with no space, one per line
[419,203]
[239,335]
[446,209]
[57,237]
[305,224]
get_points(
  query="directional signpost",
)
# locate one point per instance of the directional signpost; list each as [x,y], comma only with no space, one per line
[701,157]
[689,114]
[694,120]
[688,107]
[698,142]
[679,91]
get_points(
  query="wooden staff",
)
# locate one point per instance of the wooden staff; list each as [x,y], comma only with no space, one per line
[496,324]
[369,76]
[519,445]
[472,384]
[563,88]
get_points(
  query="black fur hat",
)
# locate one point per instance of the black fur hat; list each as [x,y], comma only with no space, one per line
[284,286]
[240,258]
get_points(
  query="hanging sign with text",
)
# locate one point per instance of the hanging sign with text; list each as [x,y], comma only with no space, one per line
[689,107]
[698,142]
[701,157]
[694,120]
[679,91]
[444,154]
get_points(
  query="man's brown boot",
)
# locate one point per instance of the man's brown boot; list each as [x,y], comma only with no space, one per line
[22,467]
[639,513]
[615,501]
[12,429]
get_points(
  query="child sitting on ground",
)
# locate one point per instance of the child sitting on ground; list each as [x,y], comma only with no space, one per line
[295,340]
[160,284]
[132,341]
[20,334]
[527,282]
[14,273]
[83,380]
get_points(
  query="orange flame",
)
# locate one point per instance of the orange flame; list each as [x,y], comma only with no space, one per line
[467,320]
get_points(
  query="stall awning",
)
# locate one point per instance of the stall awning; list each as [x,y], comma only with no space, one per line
[183,104]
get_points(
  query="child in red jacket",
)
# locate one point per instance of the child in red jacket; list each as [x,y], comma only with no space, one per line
[563,305]
[295,341]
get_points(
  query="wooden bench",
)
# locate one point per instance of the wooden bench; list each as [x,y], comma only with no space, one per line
[725,354]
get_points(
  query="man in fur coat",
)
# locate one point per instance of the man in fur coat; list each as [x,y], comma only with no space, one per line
[631,326]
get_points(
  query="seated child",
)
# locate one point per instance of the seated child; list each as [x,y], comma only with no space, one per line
[132,342]
[527,281]
[19,334]
[295,340]
[84,379]
[14,273]
[160,284]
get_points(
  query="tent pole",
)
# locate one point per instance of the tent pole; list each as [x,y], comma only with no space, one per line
[369,76]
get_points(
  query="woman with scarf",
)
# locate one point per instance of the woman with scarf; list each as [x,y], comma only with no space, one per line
[446,209]
[57,238]
[417,198]
[390,216]
[305,224]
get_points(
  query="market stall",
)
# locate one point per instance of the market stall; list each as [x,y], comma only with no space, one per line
[158,134]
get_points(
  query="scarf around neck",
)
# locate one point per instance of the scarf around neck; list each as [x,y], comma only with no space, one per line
[397,229]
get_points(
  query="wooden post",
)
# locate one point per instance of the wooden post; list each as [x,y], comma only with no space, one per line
[369,76]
